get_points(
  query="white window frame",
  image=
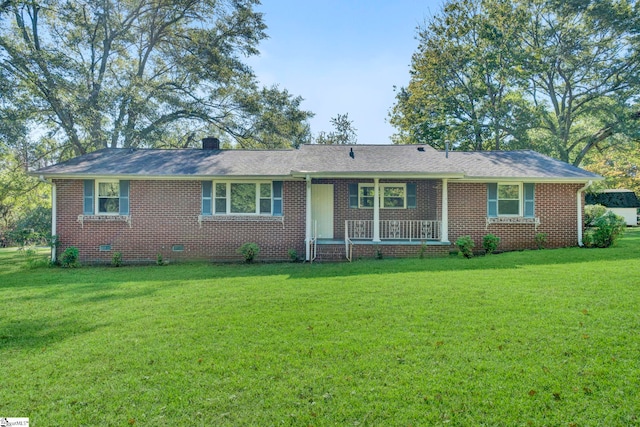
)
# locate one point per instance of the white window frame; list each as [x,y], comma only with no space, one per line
[381,188]
[97,195]
[520,199]
[360,187]
[228,198]
[391,185]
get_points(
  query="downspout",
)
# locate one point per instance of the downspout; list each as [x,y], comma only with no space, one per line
[54,214]
[579,204]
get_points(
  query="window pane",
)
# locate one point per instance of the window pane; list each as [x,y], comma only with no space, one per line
[393,197]
[366,197]
[109,189]
[265,206]
[508,207]
[243,198]
[221,206]
[366,191]
[265,190]
[511,192]
[108,205]
[221,190]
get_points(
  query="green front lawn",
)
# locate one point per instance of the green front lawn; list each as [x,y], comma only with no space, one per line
[533,338]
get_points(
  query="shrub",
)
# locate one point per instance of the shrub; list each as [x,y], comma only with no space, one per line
[249,251]
[593,212]
[541,240]
[159,260]
[377,253]
[293,255]
[422,251]
[490,243]
[116,259]
[465,246]
[70,257]
[605,231]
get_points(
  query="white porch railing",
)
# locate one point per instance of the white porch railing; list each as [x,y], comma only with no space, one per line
[362,229]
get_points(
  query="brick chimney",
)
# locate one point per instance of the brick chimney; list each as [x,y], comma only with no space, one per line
[210,144]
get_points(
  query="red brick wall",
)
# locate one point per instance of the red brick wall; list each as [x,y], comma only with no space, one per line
[555,205]
[165,213]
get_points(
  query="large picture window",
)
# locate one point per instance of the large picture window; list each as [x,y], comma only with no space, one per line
[245,198]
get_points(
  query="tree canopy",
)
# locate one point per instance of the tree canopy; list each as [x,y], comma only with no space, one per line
[344,133]
[560,77]
[92,74]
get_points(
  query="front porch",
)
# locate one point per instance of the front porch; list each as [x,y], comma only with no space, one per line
[396,238]
[355,216]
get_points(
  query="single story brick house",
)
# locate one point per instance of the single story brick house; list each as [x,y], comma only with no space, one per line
[323,201]
[624,203]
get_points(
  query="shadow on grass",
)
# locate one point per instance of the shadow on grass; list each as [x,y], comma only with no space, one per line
[110,280]
[38,333]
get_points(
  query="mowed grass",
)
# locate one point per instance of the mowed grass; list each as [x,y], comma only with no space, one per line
[533,338]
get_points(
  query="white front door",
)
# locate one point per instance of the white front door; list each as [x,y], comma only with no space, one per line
[322,210]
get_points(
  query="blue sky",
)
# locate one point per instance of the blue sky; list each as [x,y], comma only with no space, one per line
[342,57]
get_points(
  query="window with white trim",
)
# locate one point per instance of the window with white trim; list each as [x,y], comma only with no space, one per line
[365,196]
[392,196]
[509,199]
[108,200]
[247,198]
[105,197]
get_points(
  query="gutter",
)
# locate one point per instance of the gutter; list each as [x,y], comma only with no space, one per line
[579,205]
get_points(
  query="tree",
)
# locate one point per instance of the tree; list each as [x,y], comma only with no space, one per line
[462,85]
[619,165]
[107,73]
[556,76]
[344,133]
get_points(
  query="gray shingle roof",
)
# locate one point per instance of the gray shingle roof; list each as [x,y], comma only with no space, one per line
[173,163]
[319,160]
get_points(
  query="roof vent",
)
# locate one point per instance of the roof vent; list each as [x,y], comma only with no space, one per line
[351,154]
[210,144]
[420,148]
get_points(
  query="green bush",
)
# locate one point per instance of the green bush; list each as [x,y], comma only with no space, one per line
[423,250]
[70,257]
[116,259]
[605,231]
[593,212]
[293,255]
[377,253]
[465,246]
[249,251]
[490,243]
[541,240]
[159,260]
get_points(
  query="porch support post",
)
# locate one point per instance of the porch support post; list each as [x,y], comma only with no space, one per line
[444,232]
[376,210]
[307,238]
